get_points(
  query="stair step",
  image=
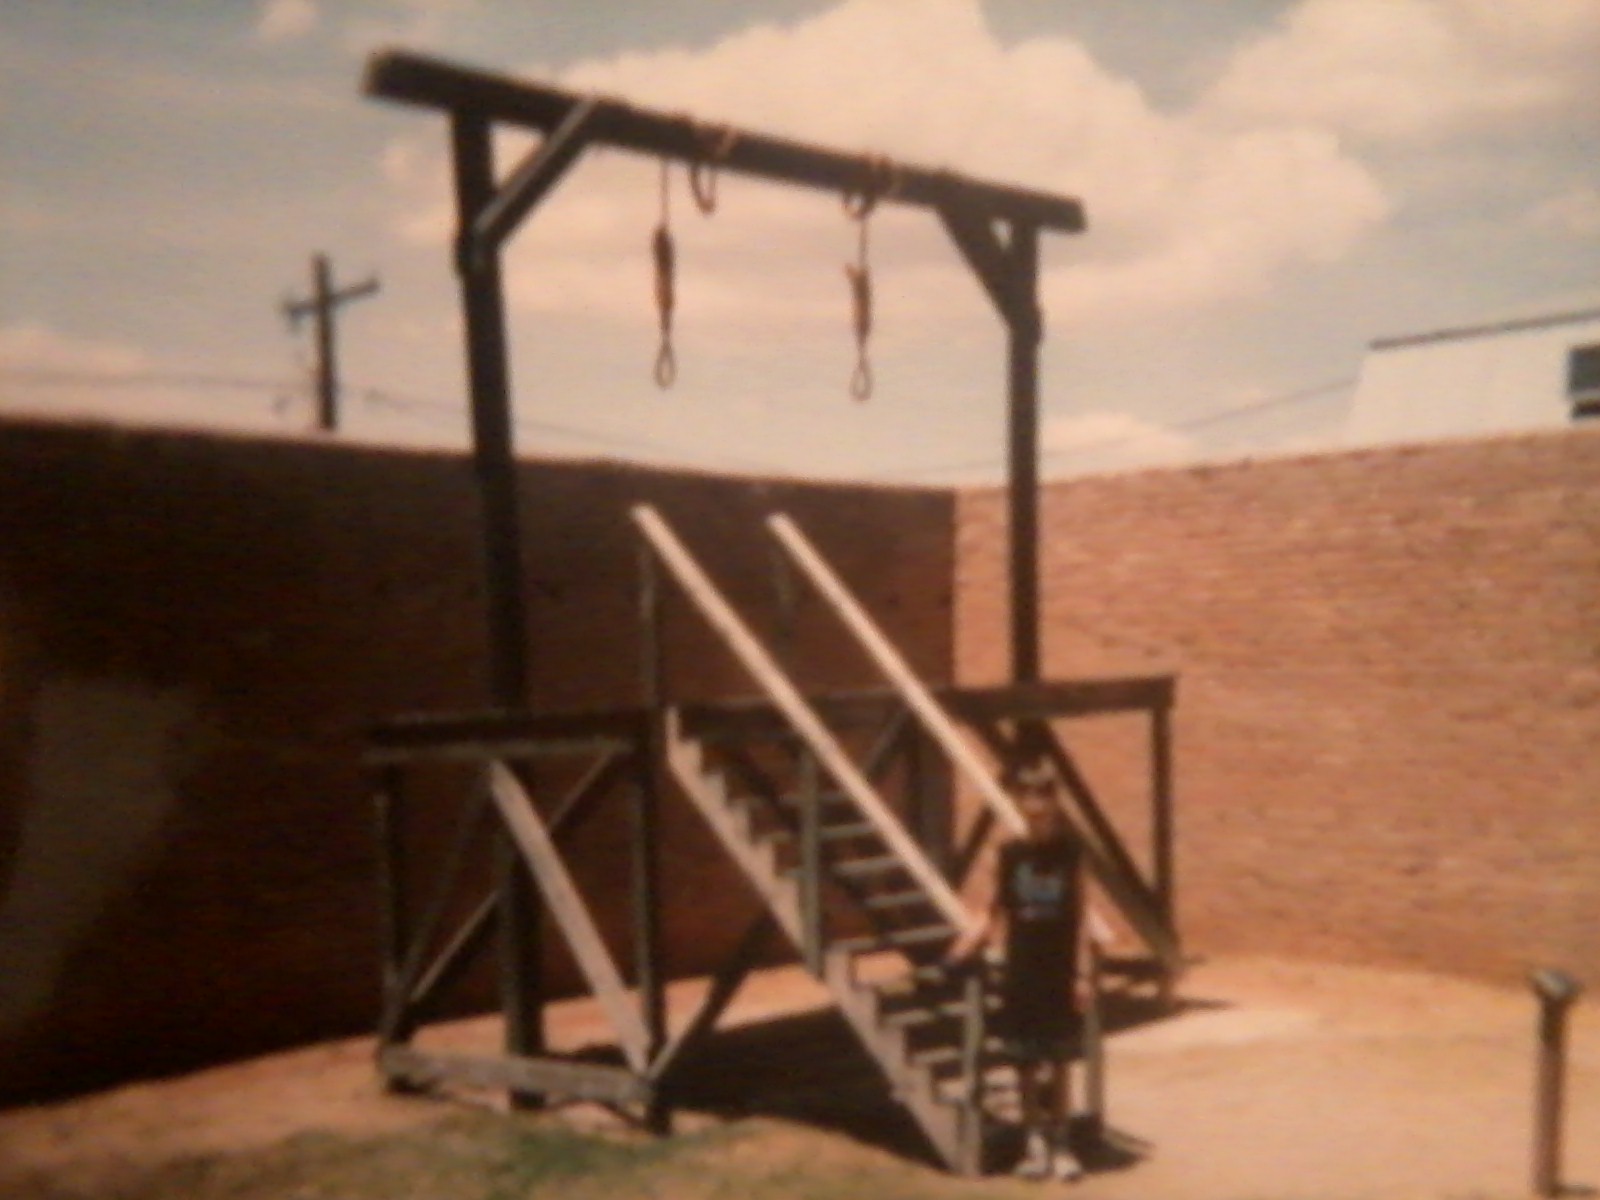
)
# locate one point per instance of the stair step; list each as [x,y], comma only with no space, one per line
[935,1058]
[897,899]
[857,868]
[830,833]
[926,935]
[1132,967]
[825,801]
[929,1014]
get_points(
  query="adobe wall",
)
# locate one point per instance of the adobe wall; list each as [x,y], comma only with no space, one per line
[1388,720]
[194,631]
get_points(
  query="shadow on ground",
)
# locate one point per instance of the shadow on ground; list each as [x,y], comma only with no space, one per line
[810,1068]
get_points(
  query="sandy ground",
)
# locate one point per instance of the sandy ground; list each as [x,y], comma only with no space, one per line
[1278,1080]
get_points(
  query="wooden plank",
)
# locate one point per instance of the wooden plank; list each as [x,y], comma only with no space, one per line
[1064,698]
[553,1077]
[1022,446]
[649,969]
[500,734]
[724,986]
[456,955]
[1161,813]
[509,749]
[754,717]
[579,802]
[472,820]
[901,677]
[772,679]
[566,906]
[431,82]
[393,910]
[811,903]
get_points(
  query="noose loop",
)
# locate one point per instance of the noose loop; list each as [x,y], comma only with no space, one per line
[880,178]
[666,368]
[859,275]
[716,142]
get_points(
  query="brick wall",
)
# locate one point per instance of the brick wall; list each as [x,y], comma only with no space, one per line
[194,631]
[1388,723]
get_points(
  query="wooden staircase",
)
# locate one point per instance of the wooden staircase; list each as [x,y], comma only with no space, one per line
[870,913]
[841,892]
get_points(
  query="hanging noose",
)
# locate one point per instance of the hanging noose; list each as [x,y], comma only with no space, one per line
[716,142]
[859,275]
[661,248]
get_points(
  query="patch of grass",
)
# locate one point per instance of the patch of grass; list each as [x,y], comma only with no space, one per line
[486,1156]
[467,1157]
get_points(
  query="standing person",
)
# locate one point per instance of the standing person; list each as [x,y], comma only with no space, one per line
[1038,906]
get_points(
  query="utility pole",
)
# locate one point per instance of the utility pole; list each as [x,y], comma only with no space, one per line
[321,304]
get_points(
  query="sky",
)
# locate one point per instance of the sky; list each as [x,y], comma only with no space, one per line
[1269,185]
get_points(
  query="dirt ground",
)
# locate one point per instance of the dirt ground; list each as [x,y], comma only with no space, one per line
[1277,1080]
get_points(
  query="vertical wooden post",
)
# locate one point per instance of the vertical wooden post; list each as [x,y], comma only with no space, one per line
[928,779]
[811,915]
[393,910]
[1023,326]
[973,1026]
[649,972]
[1161,816]
[648,976]
[488,373]
[1094,1048]
[489,378]
[327,369]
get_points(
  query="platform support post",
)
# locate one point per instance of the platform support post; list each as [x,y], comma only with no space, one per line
[393,914]
[488,373]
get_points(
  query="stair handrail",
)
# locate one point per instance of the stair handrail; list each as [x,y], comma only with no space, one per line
[775,682]
[919,699]
[892,663]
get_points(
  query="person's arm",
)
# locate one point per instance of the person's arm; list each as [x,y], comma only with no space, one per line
[990,923]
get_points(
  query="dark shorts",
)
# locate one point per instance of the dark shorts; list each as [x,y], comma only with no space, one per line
[1037,1048]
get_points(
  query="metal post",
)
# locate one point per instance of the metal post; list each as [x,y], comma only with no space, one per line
[1023,327]
[1556,991]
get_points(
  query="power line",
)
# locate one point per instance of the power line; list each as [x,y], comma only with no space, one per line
[393,400]
[1249,408]
[125,378]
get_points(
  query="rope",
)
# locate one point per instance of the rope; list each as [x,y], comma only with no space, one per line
[859,275]
[661,248]
[880,180]
[716,142]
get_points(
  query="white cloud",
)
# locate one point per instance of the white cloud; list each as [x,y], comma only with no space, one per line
[1108,441]
[1182,212]
[43,370]
[1574,212]
[286,20]
[1407,71]
[32,346]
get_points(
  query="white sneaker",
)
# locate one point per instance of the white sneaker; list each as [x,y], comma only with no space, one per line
[1036,1159]
[1064,1165]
